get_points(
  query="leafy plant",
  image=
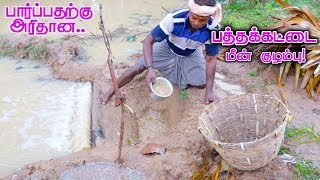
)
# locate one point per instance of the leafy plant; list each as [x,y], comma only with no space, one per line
[184,95]
[8,52]
[253,73]
[306,170]
[37,51]
[283,150]
[303,134]
[303,168]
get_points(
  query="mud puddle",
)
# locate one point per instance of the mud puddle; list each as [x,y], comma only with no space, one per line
[128,22]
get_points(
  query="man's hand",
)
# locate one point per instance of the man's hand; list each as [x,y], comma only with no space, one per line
[210,97]
[150,77]
[211,62]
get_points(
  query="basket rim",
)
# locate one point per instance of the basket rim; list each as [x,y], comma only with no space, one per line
[287,114]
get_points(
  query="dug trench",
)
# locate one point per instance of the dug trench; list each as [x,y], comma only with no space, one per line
[172,123]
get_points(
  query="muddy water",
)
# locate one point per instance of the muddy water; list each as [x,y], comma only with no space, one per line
[40,118]
[129,22]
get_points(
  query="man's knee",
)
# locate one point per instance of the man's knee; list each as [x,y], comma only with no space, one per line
[137,68]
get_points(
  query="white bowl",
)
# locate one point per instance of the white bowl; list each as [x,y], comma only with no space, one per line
[166,84]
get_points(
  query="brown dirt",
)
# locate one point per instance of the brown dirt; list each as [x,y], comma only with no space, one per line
[186,147]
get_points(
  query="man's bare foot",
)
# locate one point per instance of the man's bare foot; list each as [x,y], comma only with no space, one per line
[104,98]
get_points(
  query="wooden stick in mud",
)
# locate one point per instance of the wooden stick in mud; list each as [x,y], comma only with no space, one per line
[118,95]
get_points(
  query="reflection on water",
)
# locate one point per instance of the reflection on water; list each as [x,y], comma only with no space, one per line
[40,118]
[129,22]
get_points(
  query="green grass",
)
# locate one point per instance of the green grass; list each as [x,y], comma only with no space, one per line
[243,14]
[37,51]
[8,52]
[313,5]
[303,134]
[253,73]
[304,169]
[283,150]
[184,95]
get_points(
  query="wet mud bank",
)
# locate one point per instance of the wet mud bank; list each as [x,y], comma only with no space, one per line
[172,123]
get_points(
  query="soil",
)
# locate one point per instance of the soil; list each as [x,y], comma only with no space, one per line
[177,128]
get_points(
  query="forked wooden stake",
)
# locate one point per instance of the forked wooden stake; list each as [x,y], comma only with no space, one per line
[120,98]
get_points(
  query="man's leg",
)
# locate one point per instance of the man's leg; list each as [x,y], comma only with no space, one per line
[193,70]
[124,79]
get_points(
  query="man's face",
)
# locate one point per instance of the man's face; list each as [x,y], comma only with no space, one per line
[196,21]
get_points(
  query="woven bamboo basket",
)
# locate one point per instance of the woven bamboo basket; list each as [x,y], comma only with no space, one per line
[246,130]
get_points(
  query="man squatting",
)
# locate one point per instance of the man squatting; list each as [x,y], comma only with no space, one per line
[174,48]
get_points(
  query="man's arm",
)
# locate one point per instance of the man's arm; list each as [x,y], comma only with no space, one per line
[147,49]
[147,53]
[211,64]
[158,34]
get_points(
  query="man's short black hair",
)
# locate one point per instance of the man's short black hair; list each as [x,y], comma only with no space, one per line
[205,2]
